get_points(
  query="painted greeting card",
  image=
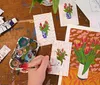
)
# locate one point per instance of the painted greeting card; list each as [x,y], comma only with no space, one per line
[85,49]
[60,58]
[44,27]
[68,12]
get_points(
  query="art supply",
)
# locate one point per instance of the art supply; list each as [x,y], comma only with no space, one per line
[1,11]
[7,25]
[3,52]
[1,20]
[26,50]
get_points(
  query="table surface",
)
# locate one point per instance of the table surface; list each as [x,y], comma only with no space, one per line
[25,27]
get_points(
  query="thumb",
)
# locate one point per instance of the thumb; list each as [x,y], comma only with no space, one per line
[44,64]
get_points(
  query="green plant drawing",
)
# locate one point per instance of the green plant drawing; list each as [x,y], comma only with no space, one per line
[68,9]
[44,29]
[86,53]
[54,6]
[61,55]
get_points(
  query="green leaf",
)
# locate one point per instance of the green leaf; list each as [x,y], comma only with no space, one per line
[86,66]
[89,61]
[55,5]
[81,51]
[40,1]
[78,55]
[32,4]
[93,62]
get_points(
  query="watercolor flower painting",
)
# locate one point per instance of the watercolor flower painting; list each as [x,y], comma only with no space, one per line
[87,52]
[61,55]
[68,9]
[44,28]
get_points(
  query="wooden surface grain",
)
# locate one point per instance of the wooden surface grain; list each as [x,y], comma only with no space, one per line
[20,10]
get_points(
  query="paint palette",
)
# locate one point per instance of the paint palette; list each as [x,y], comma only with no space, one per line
[24,52]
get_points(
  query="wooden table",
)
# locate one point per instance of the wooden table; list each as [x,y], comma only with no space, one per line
[20,10]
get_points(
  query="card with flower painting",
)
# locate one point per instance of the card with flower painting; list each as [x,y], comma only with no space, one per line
[60,58]
[85,49]
[68,12]
[44,26]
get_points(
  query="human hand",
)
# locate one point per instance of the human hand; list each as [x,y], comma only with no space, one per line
[36,75]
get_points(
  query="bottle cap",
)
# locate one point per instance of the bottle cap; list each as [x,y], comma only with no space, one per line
[14,20]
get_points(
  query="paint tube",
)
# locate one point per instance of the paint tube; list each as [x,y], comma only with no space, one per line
[7,25]
[1,20]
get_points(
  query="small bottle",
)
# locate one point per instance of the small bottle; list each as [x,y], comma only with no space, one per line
[7,25]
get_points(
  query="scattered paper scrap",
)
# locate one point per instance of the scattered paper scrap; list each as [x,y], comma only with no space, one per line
[1,11]
[3,52]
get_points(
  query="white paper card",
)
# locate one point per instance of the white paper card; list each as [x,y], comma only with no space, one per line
[92,11]
[1,11]
[44,27]
[1,21]
[60,58]
[68,12]
[74,26]
[3,52]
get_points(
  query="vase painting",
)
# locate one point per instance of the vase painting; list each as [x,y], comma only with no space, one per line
[68,10]
[86,54]
[68,15]
[44,28]
[61,53]
[80,70]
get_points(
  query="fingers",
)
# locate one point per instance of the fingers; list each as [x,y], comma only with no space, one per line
[44,64]
[49,67]
[36,61]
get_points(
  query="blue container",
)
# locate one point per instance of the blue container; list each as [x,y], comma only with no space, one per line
[68,15]
[44,34]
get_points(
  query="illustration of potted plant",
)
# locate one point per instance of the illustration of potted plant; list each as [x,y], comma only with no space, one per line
[86,54]
[61,55]
[68,9]
[44,29]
